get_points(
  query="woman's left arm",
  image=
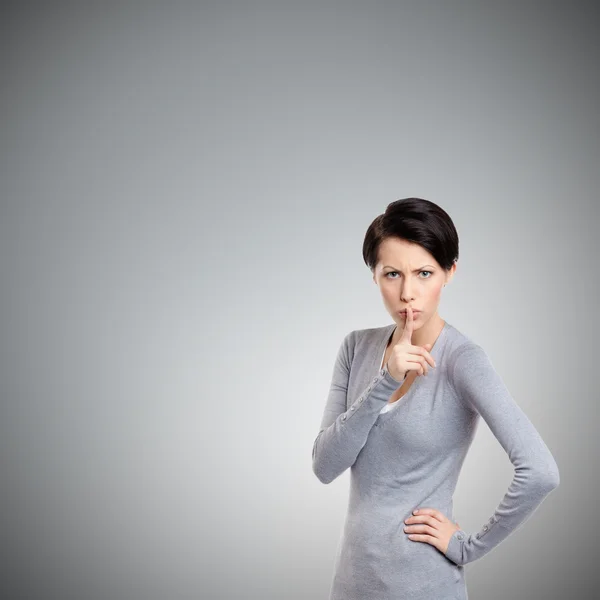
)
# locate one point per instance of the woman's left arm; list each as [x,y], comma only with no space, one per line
[482,390]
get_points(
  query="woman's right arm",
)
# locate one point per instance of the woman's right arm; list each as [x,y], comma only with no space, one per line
[343,433]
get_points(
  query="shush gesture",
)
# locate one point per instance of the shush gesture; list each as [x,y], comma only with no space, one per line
[407,357]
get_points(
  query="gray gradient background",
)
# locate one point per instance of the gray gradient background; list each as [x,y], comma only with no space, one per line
[184,195]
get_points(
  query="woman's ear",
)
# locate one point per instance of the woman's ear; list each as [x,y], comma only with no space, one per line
[450,273]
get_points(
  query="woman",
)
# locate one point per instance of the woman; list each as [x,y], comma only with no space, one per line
[402,410]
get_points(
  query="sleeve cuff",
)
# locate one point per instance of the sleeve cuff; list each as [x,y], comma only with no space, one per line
[388,377]
[455,547]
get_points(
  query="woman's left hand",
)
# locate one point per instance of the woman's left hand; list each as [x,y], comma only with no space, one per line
[431,526]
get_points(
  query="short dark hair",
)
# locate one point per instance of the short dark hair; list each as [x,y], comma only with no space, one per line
[415,220]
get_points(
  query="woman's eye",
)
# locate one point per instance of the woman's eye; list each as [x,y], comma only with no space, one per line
[396,272]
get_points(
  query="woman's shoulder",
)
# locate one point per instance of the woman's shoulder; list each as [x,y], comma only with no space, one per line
[361,342]
[460,346]
[367,336]
[457,340]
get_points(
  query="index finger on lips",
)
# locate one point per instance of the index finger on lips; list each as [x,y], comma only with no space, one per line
[408,327]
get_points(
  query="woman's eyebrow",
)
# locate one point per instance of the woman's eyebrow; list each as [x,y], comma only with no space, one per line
[390,267]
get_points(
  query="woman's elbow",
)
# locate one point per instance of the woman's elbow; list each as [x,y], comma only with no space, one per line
[322,469]
[553,476]
[548,478]
[318,467]
[322,474]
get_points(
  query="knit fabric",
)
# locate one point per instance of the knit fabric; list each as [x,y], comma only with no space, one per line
[411,457]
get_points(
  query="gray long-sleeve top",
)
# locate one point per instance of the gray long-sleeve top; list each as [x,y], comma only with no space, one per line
[411,457]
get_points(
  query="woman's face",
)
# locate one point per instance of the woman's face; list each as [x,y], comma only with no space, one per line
[407,275]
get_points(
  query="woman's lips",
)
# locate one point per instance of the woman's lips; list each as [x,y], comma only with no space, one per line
[416,313]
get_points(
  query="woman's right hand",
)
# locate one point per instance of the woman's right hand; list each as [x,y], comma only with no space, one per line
[407,357]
